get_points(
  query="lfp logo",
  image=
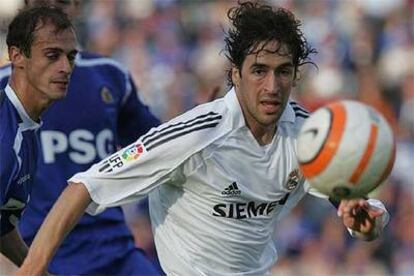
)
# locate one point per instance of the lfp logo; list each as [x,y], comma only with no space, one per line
[133,152]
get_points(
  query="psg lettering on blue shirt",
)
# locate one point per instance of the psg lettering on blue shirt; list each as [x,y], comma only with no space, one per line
[100,113]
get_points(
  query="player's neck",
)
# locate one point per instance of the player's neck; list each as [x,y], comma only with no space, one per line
[263,135]
[32,103]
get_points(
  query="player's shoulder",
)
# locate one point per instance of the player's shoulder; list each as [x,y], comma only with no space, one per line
[9,115]
[8,127]
[297,114]
[2,96]
[301,113]
[88,60]
[5,72]
[208,112]
[192,130]
[7,109]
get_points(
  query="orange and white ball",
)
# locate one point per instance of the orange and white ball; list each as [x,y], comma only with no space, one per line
[346,149]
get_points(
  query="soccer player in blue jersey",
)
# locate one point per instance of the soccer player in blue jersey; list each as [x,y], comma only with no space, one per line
[41,44]
[102,111]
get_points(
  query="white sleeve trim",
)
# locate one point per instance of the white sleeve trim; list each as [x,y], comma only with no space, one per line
[137,169]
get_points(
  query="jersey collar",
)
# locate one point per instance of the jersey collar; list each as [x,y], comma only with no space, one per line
[288,114]
[232,102]
[27,123]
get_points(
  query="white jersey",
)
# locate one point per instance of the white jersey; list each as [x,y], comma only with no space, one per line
[215,192]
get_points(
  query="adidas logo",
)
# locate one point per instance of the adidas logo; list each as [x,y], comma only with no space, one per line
[231,190]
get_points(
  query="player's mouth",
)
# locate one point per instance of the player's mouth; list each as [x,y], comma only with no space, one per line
[271,106]
[63,84]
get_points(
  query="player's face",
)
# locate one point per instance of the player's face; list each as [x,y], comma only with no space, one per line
[51,62]
[263,86]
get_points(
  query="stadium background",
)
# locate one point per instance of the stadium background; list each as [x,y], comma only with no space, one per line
[366,52]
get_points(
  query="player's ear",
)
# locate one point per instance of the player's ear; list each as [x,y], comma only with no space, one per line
[16,57]
[235,75]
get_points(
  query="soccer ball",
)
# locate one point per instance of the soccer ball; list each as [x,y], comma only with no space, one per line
[345,149]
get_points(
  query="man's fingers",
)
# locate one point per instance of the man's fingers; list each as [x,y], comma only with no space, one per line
[352,206]
[347,206]
[358,214]
[374,212]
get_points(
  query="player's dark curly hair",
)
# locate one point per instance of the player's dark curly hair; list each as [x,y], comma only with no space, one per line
[256,24]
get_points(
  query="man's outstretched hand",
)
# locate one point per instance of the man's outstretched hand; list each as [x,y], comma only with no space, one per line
[360,216]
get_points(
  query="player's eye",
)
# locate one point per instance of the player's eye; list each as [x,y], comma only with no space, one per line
[285,71]
[259,72]
[52,56]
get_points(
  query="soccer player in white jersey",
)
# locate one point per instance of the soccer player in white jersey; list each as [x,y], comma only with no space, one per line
[221,175]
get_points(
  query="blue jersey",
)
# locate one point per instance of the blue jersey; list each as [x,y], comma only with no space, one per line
[100,113]
[18,148]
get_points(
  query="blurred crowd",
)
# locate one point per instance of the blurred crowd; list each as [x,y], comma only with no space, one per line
[173,49]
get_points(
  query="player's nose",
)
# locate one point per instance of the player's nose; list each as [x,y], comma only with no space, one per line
[65,65]
[271,83]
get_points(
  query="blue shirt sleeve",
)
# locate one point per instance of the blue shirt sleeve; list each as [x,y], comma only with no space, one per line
[8,169]
[4,77]
[135,118]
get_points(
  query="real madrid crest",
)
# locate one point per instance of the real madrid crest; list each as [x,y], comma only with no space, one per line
[293,180]
[106,95]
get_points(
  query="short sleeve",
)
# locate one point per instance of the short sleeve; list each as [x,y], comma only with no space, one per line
[137,169]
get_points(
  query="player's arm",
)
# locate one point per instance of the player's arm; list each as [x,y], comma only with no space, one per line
[364,218]
[13,247]
[11,244]
[65,213]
